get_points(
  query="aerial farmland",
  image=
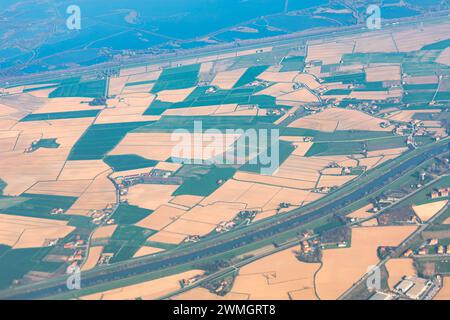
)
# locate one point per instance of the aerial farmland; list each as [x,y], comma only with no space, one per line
[141,162]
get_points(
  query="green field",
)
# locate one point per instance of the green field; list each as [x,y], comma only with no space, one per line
[335,148]
[127,214]
[205,184]
[40,206]
[126,241]
[128,162]
[346,78]
[14,264]
[88,89]
[296,63]
[177,78]
[99,139]
[60,115]
[374,57]
[250,75]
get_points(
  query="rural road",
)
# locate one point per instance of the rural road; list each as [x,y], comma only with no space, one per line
[198,251]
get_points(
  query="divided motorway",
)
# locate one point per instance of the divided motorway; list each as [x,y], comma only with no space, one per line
[223,244]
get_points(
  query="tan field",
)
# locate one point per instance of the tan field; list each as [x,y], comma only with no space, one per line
[150,196]
[92,259]
[444,293]
[69,188]
[26,169]
[199,293]
[294,197]
[407,115]
[272,180]
[134,70]
[278,276]
[104,232]
[302,168]
[344,266]
[127,108]
[309,80]
[377,95]
[65,105]
[148,290]
[161,146]
[398,268]
[27,232]
[167,237]
[277,89]
[333,119]
[187,201]
[227,79]
[168,166]
[190,228]
[421,79]
[302,95]
[161,217]
[362,213]
[147,76]
[174,95]
[446,221]
[230,191]
[100,193]
[330,52]
[116,85]
[370,223]
[426,211]
[332,171]
[375,43]
[145,251]
[82,170]
[197,111]
[333,181]
[214,213]
[370,163]
[444,57]
[386,152]
[271,76]
[383,73]
[414,38]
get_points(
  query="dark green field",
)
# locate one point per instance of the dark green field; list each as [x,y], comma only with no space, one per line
[14,264]
[99,139]
[61,115]
[128,162]
[250,75]
[127,214]
[40,206]
[89,89]
[126,241]
[177,78]
[205,184]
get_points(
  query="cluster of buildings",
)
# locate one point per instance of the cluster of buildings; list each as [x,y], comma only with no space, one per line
[78,248]
[440,193]
[154,176]
[411,288]
[431,246]
[104,259]
[243,217]
[101,216]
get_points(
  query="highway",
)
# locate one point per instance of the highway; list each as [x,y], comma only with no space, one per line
[295,39]
[223,244]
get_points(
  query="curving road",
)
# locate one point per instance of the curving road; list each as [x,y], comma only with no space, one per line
[245,237]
